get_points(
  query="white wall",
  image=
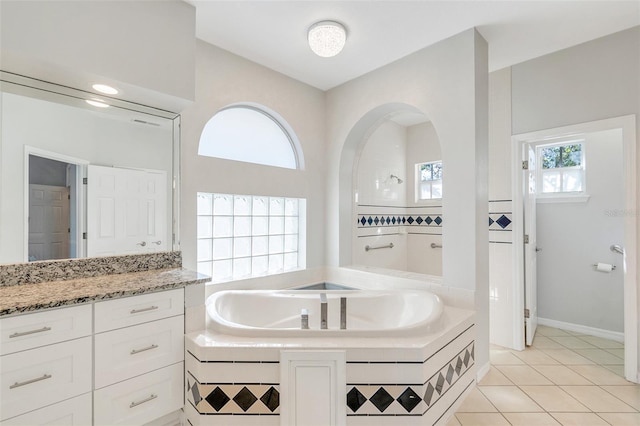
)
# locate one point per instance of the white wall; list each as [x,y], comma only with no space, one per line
[223,79]
[501,267]
[448,83]
[574,236]
[70,131]
[382,155]
[145,48]
[592,81]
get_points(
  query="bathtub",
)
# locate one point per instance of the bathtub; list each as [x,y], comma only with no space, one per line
[369,313]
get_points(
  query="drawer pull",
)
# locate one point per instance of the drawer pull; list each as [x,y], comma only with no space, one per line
[137,311]
[26,333]
[136,403]
[148,348]
[28,382]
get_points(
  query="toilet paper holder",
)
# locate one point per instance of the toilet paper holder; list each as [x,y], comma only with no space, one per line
[595,265]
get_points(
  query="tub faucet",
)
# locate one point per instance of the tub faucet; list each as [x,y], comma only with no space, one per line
[323,311]
[343,313]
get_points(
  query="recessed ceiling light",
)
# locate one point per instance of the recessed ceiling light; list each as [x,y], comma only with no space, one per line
[107,90]
[327,38]
[97,103]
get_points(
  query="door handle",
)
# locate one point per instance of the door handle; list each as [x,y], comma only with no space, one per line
[617,248]
[538,249]
[157,242]
[142,243]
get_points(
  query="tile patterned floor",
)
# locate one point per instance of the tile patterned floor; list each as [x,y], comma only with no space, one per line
[564,378]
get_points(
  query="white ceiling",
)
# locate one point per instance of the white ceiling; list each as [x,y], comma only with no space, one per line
[273,33]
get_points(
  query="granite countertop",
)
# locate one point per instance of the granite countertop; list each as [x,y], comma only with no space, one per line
[15,299]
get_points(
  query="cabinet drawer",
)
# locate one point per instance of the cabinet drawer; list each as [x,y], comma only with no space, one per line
[43,328]
[128,352]
[73,412]
[39,377]
[127,311]
[141,399]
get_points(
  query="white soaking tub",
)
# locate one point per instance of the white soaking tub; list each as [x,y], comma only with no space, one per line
[369,313]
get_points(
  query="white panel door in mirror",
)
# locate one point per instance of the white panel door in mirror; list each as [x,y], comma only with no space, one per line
[126,211]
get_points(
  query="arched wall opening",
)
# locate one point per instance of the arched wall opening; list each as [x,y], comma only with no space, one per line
[392,225]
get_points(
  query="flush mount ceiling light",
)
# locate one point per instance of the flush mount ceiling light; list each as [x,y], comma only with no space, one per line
[97,103]
[103,88]
[327,38]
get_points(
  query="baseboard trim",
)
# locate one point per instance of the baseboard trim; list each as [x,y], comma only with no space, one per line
[577,328]
[482,371]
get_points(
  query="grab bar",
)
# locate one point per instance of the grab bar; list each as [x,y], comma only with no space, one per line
[434,245]
[368,247]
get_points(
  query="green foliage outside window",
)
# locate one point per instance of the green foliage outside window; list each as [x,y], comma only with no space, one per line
[431,171]
[562,156]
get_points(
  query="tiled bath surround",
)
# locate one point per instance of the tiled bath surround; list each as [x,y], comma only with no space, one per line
[388,382]
[232,381]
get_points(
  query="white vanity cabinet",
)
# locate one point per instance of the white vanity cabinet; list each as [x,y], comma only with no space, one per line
[46,360]
[108,363]
[139,353]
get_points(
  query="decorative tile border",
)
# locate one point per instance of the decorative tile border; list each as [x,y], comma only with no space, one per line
[225,399]
[69,269]
[367,221]
[408,400]
[501,221]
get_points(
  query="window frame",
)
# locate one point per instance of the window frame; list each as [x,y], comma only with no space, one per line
[562,196]
[419,183]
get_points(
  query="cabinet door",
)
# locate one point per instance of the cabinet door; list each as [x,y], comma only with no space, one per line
[132,351]
[39,377]
[72,412]
[18,333]
[142,399]
[119,313]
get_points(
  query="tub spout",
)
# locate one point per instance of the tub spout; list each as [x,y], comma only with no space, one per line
[343,313]
[323,311]
[304,319]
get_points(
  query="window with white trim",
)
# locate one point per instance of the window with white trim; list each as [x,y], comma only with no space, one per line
[250,134]
[429,181]
[561,168]
[242,236]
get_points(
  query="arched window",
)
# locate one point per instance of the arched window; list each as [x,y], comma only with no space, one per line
[250,134]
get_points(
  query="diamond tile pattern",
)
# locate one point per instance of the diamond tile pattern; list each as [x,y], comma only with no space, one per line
[500,221]
[392,399]
[381,399]
[497,221]
[365,221]
[409,399]
[234,399]
[245,399]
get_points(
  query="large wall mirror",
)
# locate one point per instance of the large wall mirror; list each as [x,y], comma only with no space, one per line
[83,175]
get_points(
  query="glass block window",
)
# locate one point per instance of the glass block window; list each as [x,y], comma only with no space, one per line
[429,181]
[243,236]
[561,167]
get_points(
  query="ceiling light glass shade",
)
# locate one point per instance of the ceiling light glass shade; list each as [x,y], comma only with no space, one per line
[97,103]
[327,38]
[103,88]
